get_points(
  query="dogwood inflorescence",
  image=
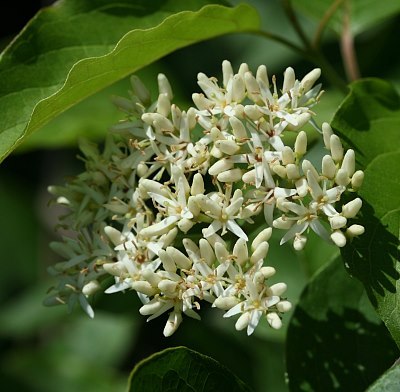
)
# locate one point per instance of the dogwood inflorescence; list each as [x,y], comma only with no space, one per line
[164,208]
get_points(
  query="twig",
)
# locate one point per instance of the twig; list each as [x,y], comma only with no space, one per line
[347,47]
[324,21]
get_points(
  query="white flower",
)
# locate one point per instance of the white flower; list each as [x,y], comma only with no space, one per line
[224,210]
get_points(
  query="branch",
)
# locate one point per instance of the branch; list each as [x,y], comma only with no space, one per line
[347,47]
[324,21]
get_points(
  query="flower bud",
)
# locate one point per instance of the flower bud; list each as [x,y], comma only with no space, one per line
[228,147]
[350,210]
[168,263]
[287,155]
[243,321]
[280,170]
[144,287]
[301,187]
[253,112]
[308,81]
[338,238]
[240,251]
[349,162]
[355,230]
[202,102]
[262,76]
[273,320]
[167,286]
[289,79]
[179,258]
[281,223]
[299,242]
[249,177]
[151,308]
[140,90]
[292,171]
[230,175]
[253,89]
[267,272]
[260,253]
[328,167]
[238,88]
[226,303]
[163,86]
[185,224]
[221,252]
[114,235]
[206,251]
[174,320]
[91,287]
[300,146]
[220,166]
[163,105]
[283,306]
[357,179]
[278,288]
[327,133]
[342,177]
[227,72]
[262,236]
[336,148]
[239,131]
[337,222]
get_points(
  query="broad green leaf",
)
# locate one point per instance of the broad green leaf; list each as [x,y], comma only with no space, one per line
[183,370]
[368,120]
[363,13]
[75,48]
[335,341]
[374,257]
[389,382]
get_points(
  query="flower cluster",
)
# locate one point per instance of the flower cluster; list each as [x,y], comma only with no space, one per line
[165,208]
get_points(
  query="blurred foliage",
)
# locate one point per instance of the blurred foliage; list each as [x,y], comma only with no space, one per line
[46,349]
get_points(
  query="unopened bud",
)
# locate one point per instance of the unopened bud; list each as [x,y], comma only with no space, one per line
[328,167]
[308,81]
[338,238]
[351,209]
[260,253]
[90,288]
[230,175]
[357,179]
[273,320]
[336,148]
[283,306]
[289,79]
[355,230]
[262,236]
[327,133]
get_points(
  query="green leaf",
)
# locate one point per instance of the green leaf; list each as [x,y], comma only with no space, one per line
[374,257]
[335,341]
[183,370]
[389,382]
[75,48]
[369,121]
[363,13]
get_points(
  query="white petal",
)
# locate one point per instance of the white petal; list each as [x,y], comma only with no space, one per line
[232,226]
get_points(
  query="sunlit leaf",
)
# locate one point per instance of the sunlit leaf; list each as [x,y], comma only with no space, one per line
[184,370]
[389,382]
[335,340]
[75,48]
